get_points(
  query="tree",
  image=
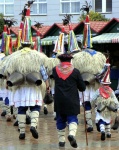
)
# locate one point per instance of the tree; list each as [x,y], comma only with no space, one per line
[94,16]
[1,23]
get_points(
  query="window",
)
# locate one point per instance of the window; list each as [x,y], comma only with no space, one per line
[103,6]
[7,7]
[70,6]
[39,7]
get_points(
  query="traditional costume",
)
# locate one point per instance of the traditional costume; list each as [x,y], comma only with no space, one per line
[3,91]
[29,88]
[90,63]
[105,102]
[6,46]
[66,100]
[26,77]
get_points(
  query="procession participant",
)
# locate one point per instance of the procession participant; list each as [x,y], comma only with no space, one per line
[106,102]
[6,49]
[3,91]
[27,64]
[66,100]
[89,62]
[85,62]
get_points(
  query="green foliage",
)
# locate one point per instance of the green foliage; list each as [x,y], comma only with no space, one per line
[1,15]
[94,16]
[1,23]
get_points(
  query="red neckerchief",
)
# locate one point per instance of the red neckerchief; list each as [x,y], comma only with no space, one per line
[64,69]
[105,91]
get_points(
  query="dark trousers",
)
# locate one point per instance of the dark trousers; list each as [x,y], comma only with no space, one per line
[87,105]
[63,120]
[102,122]
[23,109]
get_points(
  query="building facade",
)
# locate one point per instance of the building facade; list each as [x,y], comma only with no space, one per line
[53,11]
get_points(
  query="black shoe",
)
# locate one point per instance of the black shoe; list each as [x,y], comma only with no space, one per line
[3,113]
[34,132]
[16,123]
[89,129]
[116,124]
[28,120]
[72,141]
[108,135]
[98,127]
[45,111]
[61,144]
[18,129]
[102,136]
[22,136]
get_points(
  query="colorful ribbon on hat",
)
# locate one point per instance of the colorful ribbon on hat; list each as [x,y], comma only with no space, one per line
[72,41]
[59,44]
[26,36]
[4,35]
[87,43]
[37,45]
[18,40]
[8,45]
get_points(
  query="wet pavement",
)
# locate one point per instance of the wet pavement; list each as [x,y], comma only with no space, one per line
[48,140]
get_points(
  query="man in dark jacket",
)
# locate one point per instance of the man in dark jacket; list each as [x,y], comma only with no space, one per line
[68,81]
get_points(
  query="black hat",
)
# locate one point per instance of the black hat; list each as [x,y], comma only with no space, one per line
[65,57]
[27,44]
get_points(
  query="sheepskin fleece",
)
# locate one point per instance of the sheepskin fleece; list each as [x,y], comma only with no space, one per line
[85,62]
[25,61]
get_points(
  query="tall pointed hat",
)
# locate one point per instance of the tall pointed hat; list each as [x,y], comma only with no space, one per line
[72,42]
[87,34]
[59,44]
[26,31]
[87,43]
[106,76]
[6,44]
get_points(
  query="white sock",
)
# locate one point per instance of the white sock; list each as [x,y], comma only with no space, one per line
[22,122]
[34,118]
[72,128]
[108,129]
[102,127]
[61,135]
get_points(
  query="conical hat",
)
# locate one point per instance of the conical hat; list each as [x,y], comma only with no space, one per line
[106,77]
[72,42]
[59,44]
[87,43]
